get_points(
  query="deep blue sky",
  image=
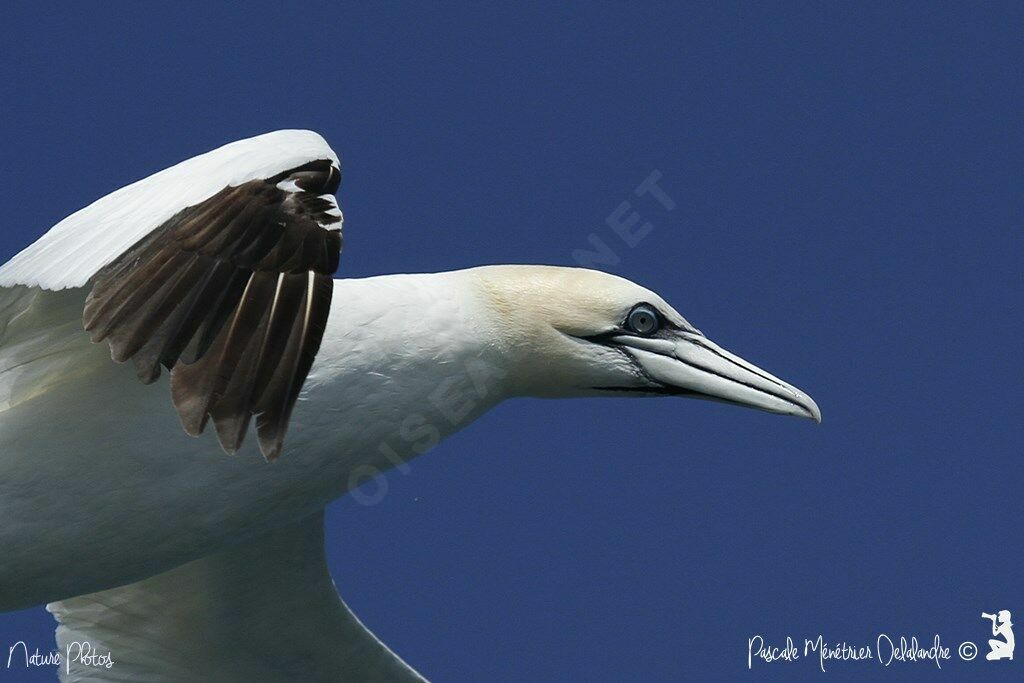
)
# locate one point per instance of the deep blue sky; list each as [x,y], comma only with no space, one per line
[847,182]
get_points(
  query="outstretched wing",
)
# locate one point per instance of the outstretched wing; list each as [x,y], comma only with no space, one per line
[231,291]
[263,610]
[233,294]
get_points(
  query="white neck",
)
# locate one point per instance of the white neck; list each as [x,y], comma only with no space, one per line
[414,354]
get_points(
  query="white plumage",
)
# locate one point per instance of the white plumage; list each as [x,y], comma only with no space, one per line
[185,563]
[77,247]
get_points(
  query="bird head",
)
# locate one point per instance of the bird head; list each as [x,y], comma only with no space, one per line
[576,332]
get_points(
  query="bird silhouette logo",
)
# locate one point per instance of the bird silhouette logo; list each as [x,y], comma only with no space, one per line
[1001,626]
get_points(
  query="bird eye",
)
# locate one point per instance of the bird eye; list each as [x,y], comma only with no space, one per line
[643,320]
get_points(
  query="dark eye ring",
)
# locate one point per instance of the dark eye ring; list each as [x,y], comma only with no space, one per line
[643,320]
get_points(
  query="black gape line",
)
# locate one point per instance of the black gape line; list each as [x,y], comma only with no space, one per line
[669,332]
[663,329]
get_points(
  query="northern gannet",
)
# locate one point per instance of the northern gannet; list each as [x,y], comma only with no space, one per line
[211,282]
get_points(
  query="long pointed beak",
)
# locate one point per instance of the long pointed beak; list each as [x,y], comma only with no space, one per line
[689,364]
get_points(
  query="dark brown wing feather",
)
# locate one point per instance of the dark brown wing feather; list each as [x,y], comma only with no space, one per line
[233,296]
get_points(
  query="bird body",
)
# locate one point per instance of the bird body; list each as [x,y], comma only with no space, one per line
[126,493]
[211,283]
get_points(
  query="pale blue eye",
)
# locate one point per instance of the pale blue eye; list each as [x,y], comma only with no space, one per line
[643,320]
